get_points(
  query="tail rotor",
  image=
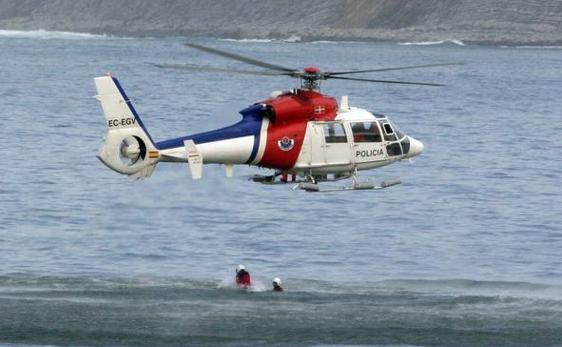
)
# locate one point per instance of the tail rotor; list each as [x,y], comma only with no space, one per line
[132,149]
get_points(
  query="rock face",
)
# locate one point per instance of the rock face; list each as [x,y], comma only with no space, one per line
[478,21]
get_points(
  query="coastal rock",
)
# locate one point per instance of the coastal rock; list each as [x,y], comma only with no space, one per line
[532,22]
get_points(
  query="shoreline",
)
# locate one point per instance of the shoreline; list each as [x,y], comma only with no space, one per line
[476,22]
[294,38]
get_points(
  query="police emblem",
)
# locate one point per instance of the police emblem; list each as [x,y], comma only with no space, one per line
[286,144]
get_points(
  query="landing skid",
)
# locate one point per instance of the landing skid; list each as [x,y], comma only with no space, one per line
[272,179]
[311,184]
[315,187]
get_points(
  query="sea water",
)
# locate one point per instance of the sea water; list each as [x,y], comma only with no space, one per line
[465,252]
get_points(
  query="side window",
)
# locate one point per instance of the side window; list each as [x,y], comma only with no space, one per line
[366,132]
[388,132]
[334,133]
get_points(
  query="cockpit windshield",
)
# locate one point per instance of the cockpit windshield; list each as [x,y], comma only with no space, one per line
[378,131]
[399,142]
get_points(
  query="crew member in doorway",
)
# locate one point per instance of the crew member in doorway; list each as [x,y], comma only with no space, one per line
[277,285]
[242,277]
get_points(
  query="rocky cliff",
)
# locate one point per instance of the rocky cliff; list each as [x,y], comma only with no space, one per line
[478,21]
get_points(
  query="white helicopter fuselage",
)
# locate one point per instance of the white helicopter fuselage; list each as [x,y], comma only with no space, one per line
[353,139]
[343,151]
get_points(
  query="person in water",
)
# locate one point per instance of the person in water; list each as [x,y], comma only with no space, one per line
[277,285]
[243,279]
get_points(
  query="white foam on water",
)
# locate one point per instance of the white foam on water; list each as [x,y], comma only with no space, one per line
[292,38]
[258,286]
[229,283]
[248,40]
[329,42]
[45,34]
[432,43]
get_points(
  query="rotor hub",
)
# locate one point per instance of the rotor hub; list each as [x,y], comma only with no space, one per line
[312,70]
[310,77]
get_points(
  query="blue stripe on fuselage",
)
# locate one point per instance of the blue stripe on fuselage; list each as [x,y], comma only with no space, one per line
[250,125]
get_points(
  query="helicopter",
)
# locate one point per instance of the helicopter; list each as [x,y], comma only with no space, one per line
[305,136]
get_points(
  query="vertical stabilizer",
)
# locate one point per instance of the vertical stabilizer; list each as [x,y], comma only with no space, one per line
[128,148]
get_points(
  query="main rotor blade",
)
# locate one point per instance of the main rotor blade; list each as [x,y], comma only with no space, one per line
[241,58]
[390,69]
[201,68]
[386,81]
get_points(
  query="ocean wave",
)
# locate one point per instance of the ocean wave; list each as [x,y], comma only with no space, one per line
[453,287]
[248,40]
[431,43]
[318,42]
[464,287]
[290,39]
[534,47]
[46,34]
[230,283]
[171,312]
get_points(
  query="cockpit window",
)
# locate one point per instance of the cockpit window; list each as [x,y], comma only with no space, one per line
[388,131]
[366,132]
[334,133]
